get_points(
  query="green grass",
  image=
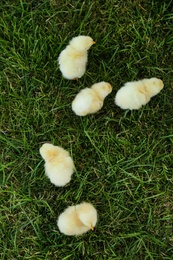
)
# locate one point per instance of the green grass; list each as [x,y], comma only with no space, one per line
[123,159]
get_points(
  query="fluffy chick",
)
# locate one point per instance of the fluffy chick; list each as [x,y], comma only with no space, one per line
[73,58]
[59,165]
[135,94]
[76,220]
[90,100]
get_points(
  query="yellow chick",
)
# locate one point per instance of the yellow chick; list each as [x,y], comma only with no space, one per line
[90,100]
[135,94]
[59,165]
[76,220]
[73,58]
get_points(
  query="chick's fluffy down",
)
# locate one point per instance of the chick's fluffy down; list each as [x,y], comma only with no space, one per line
[73,58]
[90,100]
[133,95]
[72,65]
[59,165]
[86,102]
[79,219]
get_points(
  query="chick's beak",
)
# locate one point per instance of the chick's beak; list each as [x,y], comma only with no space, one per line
[94,42]
[92,228]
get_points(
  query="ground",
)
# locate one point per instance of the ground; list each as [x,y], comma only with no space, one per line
[123,159]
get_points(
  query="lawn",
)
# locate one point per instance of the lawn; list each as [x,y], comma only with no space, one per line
[123,159]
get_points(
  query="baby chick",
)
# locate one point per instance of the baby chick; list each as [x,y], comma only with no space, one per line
[135,94]
[59,165]
[73,58]
[90,100]
[76,220]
